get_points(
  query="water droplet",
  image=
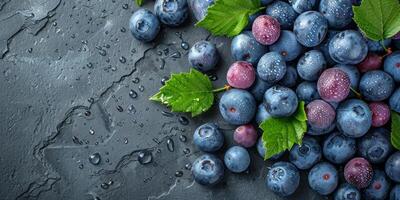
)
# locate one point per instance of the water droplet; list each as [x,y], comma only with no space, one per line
[89,65]
[133,94]
[185,45]
[183,120]
[176,55]
[120,109]
[76,140]
[80,166]
[133,51]
[186,151]
[188,166]
[29,50]
[91,131]
[125,6]
[166,51]
[164,79]
[123,29]
[179,173]
[87,113]
[141,88]
[95,158]
[170,145]
[102,52]
[145,157]
[167,114]
[110,182]
[182,138]
[132,109]
[122,59]
[136,80]
[125,140]
[104,186]
[213,77]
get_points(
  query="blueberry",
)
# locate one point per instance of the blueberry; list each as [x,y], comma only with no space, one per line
[307,154]
[347,192]
[144,25]
[208,138]
[373,61]
[348,47]
[338,148]
[352,72]
[244,47]
[376,85]
[380,113]
[392,65]
[237,159]
[334,85]
[310,28]
[208,170]
[203,56]
[258,88]
[358,172]
[301,6]
[241,74]
[290,78]
[280,101]
[199,7]
[271,67]
[323,178]
[262,114]
[392,167]
[245,135]
[353,118]
[320,116]
[395,193]
[376,46]
[307,91]
[375,146]
[237,106]
[283,12]
[287,46]
[339,13]
[311,65]
[394,101]
[283,178]
[261,150]
[379,187]
[171,13]
[324,46]
[266,29]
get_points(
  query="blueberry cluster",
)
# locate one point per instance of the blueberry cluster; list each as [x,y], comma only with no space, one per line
[311,51]
[299,50]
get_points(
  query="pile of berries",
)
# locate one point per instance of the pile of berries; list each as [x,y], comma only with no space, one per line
[300,50]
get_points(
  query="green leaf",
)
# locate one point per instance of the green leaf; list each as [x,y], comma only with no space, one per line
[395,130]
[280,134]
[229,17]
[187,92]
[378,19]
[139,2]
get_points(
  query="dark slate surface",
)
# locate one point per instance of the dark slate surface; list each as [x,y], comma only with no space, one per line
[67,71]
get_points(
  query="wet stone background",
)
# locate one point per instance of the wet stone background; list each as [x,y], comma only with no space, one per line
[75,120]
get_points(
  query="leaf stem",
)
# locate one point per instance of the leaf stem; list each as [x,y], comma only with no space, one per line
[358,95]
[382,42]
[226,87]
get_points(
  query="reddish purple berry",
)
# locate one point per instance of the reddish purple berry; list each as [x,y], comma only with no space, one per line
[320,115]
[245,135]
[358,172]
[241,75]
[397,36]
[380,113]
[266,29]
[371,62]
[333,85]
